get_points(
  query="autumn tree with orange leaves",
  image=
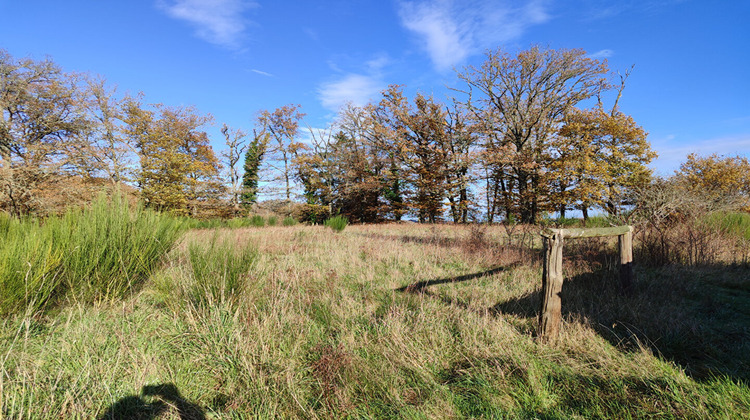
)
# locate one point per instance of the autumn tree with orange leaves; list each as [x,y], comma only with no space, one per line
[521,100]
[178,168]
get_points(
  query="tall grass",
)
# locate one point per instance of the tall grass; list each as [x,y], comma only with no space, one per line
[733,223]
[337,223]
[100,252]
[217,271]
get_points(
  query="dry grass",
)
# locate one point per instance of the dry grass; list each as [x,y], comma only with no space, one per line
[386,321]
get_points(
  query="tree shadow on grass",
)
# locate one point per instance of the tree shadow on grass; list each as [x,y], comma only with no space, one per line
[696,318]
[165,398]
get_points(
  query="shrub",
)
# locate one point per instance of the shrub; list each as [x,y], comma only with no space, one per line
[312,213]
[289,221]
[337,223]
[273,220]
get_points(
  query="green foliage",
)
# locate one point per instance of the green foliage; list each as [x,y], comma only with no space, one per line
[560,222]
[101,252]
[235,223]
[288,221]
[253,159]
[337,223]
[273,220]
[599,221]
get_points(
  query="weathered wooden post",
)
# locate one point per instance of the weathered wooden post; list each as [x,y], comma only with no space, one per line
[552,281]
[550,315]
[625,242]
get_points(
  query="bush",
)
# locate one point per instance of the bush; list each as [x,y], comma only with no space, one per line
[273,220]
[289,221]
[337,223]
[312,213]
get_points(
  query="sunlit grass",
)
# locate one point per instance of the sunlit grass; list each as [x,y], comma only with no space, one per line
[303,322]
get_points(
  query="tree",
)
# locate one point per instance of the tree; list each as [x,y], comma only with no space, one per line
[365,184]
[40,110]
[521,101]
[234,139]
[459,148]
[607,158]
[418,136]
[256,150]
[179,170]
[602,157]
[314,168]
[717,179]
[282,125]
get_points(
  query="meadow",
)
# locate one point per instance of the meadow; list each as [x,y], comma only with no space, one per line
[247,320]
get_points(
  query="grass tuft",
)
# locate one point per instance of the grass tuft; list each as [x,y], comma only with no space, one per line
[337,223]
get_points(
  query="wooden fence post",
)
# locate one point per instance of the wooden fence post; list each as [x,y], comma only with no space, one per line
[625,242]
[550,316]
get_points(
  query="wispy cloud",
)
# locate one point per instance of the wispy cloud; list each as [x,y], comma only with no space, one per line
[262,73]
[602,54]
[671,155]
[220,22]
[452,30]
[357,89]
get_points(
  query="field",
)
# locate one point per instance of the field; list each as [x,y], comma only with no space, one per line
[385,321]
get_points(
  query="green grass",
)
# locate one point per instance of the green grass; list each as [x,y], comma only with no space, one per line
[257,221]
[297,323]
[735,223]
[337,223]
[289,221]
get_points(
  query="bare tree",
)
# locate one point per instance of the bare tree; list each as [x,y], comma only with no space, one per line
[236,147]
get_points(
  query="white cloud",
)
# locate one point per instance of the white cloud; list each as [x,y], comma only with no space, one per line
[217,21]
[602,54]
[452,30]
[671,155]
[358,89]
[262,73]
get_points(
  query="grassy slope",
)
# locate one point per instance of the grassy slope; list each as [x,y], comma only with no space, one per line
[308,323]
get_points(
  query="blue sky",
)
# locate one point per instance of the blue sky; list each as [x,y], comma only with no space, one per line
[690,88]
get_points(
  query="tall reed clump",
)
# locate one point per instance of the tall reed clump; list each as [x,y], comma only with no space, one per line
[337,223]
[30,265]
[110,248]
[100,252]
